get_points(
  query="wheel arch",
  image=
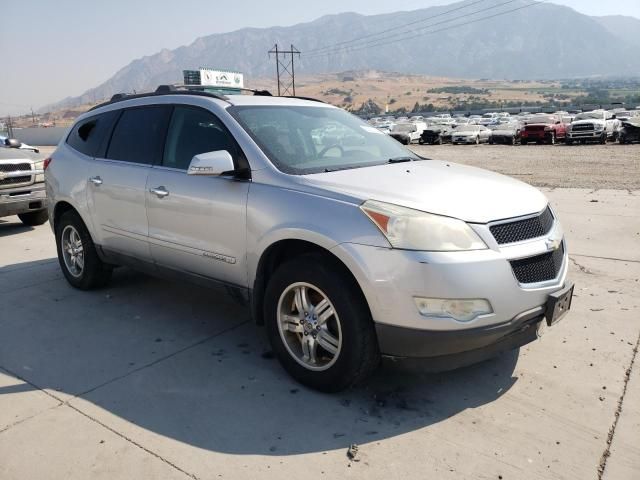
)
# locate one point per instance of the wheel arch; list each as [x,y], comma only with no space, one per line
[284,250]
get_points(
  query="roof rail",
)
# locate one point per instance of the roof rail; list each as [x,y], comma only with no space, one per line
[311,99]
[161,90]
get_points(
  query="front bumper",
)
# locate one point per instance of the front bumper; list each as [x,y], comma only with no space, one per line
[14,201]
[586,135]
[463,139]
[390,280]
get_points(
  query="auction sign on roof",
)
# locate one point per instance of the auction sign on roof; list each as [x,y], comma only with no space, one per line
[221,78]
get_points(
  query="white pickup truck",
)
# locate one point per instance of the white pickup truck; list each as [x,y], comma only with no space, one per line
[598,125]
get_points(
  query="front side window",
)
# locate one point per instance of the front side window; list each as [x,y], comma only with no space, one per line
[310,139]
[139,135]
[193,131]
[89,136]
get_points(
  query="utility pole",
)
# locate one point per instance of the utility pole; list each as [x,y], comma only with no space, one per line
[285,69]
[33,118]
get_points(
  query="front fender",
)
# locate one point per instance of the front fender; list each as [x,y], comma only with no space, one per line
[275,214]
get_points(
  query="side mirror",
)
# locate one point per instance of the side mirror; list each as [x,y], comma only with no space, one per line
[613,117]
[12,143]
[211,163]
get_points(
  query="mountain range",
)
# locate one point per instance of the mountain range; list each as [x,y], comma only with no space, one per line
[545,41]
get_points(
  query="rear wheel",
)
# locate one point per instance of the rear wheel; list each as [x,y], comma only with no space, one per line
[622,139]
[77,254]
[319,324]
[34,218]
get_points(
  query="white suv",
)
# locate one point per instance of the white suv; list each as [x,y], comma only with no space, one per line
[346,246]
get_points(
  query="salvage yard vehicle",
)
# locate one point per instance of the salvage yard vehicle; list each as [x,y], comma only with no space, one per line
[436,133]
[15,143]
[598,125]
[542,128]
[470,134]
[506,133]
[407,132]
[343,251]
[22,189]
[630,131]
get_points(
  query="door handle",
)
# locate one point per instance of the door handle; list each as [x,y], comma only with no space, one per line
[160,192]
[96,180]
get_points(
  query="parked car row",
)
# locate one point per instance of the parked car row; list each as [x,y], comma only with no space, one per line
[525,128]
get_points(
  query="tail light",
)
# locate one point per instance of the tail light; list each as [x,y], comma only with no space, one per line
[47,161]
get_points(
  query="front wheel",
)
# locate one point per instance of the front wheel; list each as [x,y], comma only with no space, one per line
[552,138]
[34,219]
[319,324]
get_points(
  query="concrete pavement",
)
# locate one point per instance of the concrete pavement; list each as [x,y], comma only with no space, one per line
[153,379]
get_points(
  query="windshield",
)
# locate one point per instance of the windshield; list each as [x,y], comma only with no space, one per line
[541,119]
[590,116]
[302,140]
[403,128]
[467,128]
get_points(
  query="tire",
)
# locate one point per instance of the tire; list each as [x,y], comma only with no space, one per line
[478,140]
[490,142]
[351,327]
[523,141]
[552,139]
[569,142]
[513,141]
[92,272]
[603,139]
[439,141]
[622,140]
[34,219]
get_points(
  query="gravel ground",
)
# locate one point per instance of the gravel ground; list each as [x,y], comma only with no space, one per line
[611,166]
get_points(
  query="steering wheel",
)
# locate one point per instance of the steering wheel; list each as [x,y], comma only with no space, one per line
[326,149]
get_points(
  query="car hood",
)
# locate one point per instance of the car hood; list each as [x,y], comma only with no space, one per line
[588,120]
[444,188]
[504,131]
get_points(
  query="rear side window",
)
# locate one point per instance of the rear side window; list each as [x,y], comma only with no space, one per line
[139,135]
[90,136]
[193,131]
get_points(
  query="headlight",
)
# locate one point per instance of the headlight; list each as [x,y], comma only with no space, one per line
[569,128]
[39,165]
[410,229]
[599,126]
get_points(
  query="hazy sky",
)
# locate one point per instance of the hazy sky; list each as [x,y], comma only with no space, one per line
[51,49]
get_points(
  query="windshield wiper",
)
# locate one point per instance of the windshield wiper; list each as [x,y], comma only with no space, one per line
[401,159]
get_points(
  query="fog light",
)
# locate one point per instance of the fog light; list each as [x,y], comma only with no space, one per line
[461,309]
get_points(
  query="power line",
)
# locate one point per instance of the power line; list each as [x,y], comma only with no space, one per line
[374,34]
[285,69]
[382,41]
[365,46]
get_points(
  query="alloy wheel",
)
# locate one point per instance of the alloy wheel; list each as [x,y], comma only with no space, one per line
[72,251]
[309,326]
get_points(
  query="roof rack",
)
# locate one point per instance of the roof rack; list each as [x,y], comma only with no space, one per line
[163,90]
[180,89]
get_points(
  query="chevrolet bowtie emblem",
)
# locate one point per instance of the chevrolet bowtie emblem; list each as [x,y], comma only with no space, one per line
[553,243]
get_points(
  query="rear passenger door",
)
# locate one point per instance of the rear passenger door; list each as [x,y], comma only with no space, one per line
[197,224]
[117,180]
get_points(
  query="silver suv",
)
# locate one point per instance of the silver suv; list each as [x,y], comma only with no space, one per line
[345,245]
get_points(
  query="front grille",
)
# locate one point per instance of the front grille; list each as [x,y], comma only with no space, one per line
[582,127]
[13,167]
[523,229]
[14,181]
[539,268]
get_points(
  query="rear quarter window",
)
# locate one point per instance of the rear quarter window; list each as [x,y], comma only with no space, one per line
[90,136]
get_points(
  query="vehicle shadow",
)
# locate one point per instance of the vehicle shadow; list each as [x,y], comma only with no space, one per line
[8,227]
[187,364]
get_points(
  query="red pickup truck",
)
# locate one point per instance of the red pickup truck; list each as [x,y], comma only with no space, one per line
[543,128]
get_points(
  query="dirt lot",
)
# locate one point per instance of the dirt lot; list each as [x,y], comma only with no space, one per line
[153,379]
[609,166]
